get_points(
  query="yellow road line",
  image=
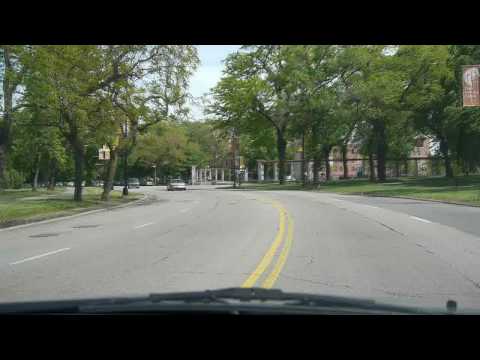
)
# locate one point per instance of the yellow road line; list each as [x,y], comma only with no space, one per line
[267,259]
[272,277]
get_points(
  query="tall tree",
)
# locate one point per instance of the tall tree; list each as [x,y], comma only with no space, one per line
[162,97]
[11,74]
[265,92]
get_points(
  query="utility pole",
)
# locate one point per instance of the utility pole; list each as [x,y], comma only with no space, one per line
[304,173]
[234,145]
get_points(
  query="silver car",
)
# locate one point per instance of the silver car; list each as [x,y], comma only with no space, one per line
[176,184]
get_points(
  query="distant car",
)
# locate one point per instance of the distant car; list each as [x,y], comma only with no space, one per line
[133,183]
[289,178]
[176,184]
[70,183]
[146,182]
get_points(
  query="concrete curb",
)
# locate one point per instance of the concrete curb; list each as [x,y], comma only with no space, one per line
[411,198]
[71,216]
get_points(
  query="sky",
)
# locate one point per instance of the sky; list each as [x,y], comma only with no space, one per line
[209,71]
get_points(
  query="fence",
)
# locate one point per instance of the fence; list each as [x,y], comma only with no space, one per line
[356,168]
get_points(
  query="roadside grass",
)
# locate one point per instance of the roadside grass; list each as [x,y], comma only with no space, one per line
[462,189]
[22,206]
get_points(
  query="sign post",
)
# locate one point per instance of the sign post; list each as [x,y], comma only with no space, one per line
[471,85]
[104,154]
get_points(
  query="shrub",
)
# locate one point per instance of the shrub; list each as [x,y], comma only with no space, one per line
[13,179]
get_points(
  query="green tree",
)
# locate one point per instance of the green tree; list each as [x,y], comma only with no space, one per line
[37,149]
[162,97]
[11,76]
[256,91]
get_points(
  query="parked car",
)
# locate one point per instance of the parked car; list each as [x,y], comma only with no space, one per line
[70,183]
[146,182]
[133,183]
[176,184]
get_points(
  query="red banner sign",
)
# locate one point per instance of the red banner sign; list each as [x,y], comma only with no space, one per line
[471,85]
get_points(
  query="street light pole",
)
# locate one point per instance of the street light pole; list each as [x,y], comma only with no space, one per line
[125,162]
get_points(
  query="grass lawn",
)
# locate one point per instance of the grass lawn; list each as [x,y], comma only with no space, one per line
[21,206]
[462,189]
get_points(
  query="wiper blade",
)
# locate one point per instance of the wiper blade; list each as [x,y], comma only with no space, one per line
[259,294]
[281,298]
[227,299]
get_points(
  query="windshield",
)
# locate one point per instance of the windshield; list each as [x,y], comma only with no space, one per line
[318,169]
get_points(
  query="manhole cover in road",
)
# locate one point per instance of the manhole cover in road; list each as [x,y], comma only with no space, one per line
[85,226]
[44,235]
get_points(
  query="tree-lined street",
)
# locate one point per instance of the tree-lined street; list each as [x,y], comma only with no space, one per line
[302,132]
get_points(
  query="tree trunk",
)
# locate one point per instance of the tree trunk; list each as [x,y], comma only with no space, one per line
[109,175]
[371,165]
[381,150]
[50,174]
[444,148]
[51,181]
[316,167]
[7,95]
[35,178]
[327,168]
[36,172]
[344,160]
[282,152]
[79,164]
[326,156]
[3,160]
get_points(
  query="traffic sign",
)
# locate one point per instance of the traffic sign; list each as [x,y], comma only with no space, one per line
[104,153]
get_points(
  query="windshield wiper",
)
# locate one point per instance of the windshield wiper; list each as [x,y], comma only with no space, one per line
[230,300]
[258,294]
[248,299]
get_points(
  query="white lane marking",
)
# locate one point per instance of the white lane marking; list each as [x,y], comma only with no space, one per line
[371,206]
[39,256]
[141,226]
[185,210]
[420,219]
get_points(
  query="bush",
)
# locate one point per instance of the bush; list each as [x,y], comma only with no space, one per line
[13,179]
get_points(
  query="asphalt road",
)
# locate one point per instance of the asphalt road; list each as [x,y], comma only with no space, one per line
[205,238]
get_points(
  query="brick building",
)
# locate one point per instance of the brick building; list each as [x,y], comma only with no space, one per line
[358,165]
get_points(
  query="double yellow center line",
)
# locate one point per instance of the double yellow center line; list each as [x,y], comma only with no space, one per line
[285,222]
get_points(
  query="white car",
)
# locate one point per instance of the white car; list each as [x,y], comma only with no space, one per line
[176,184]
